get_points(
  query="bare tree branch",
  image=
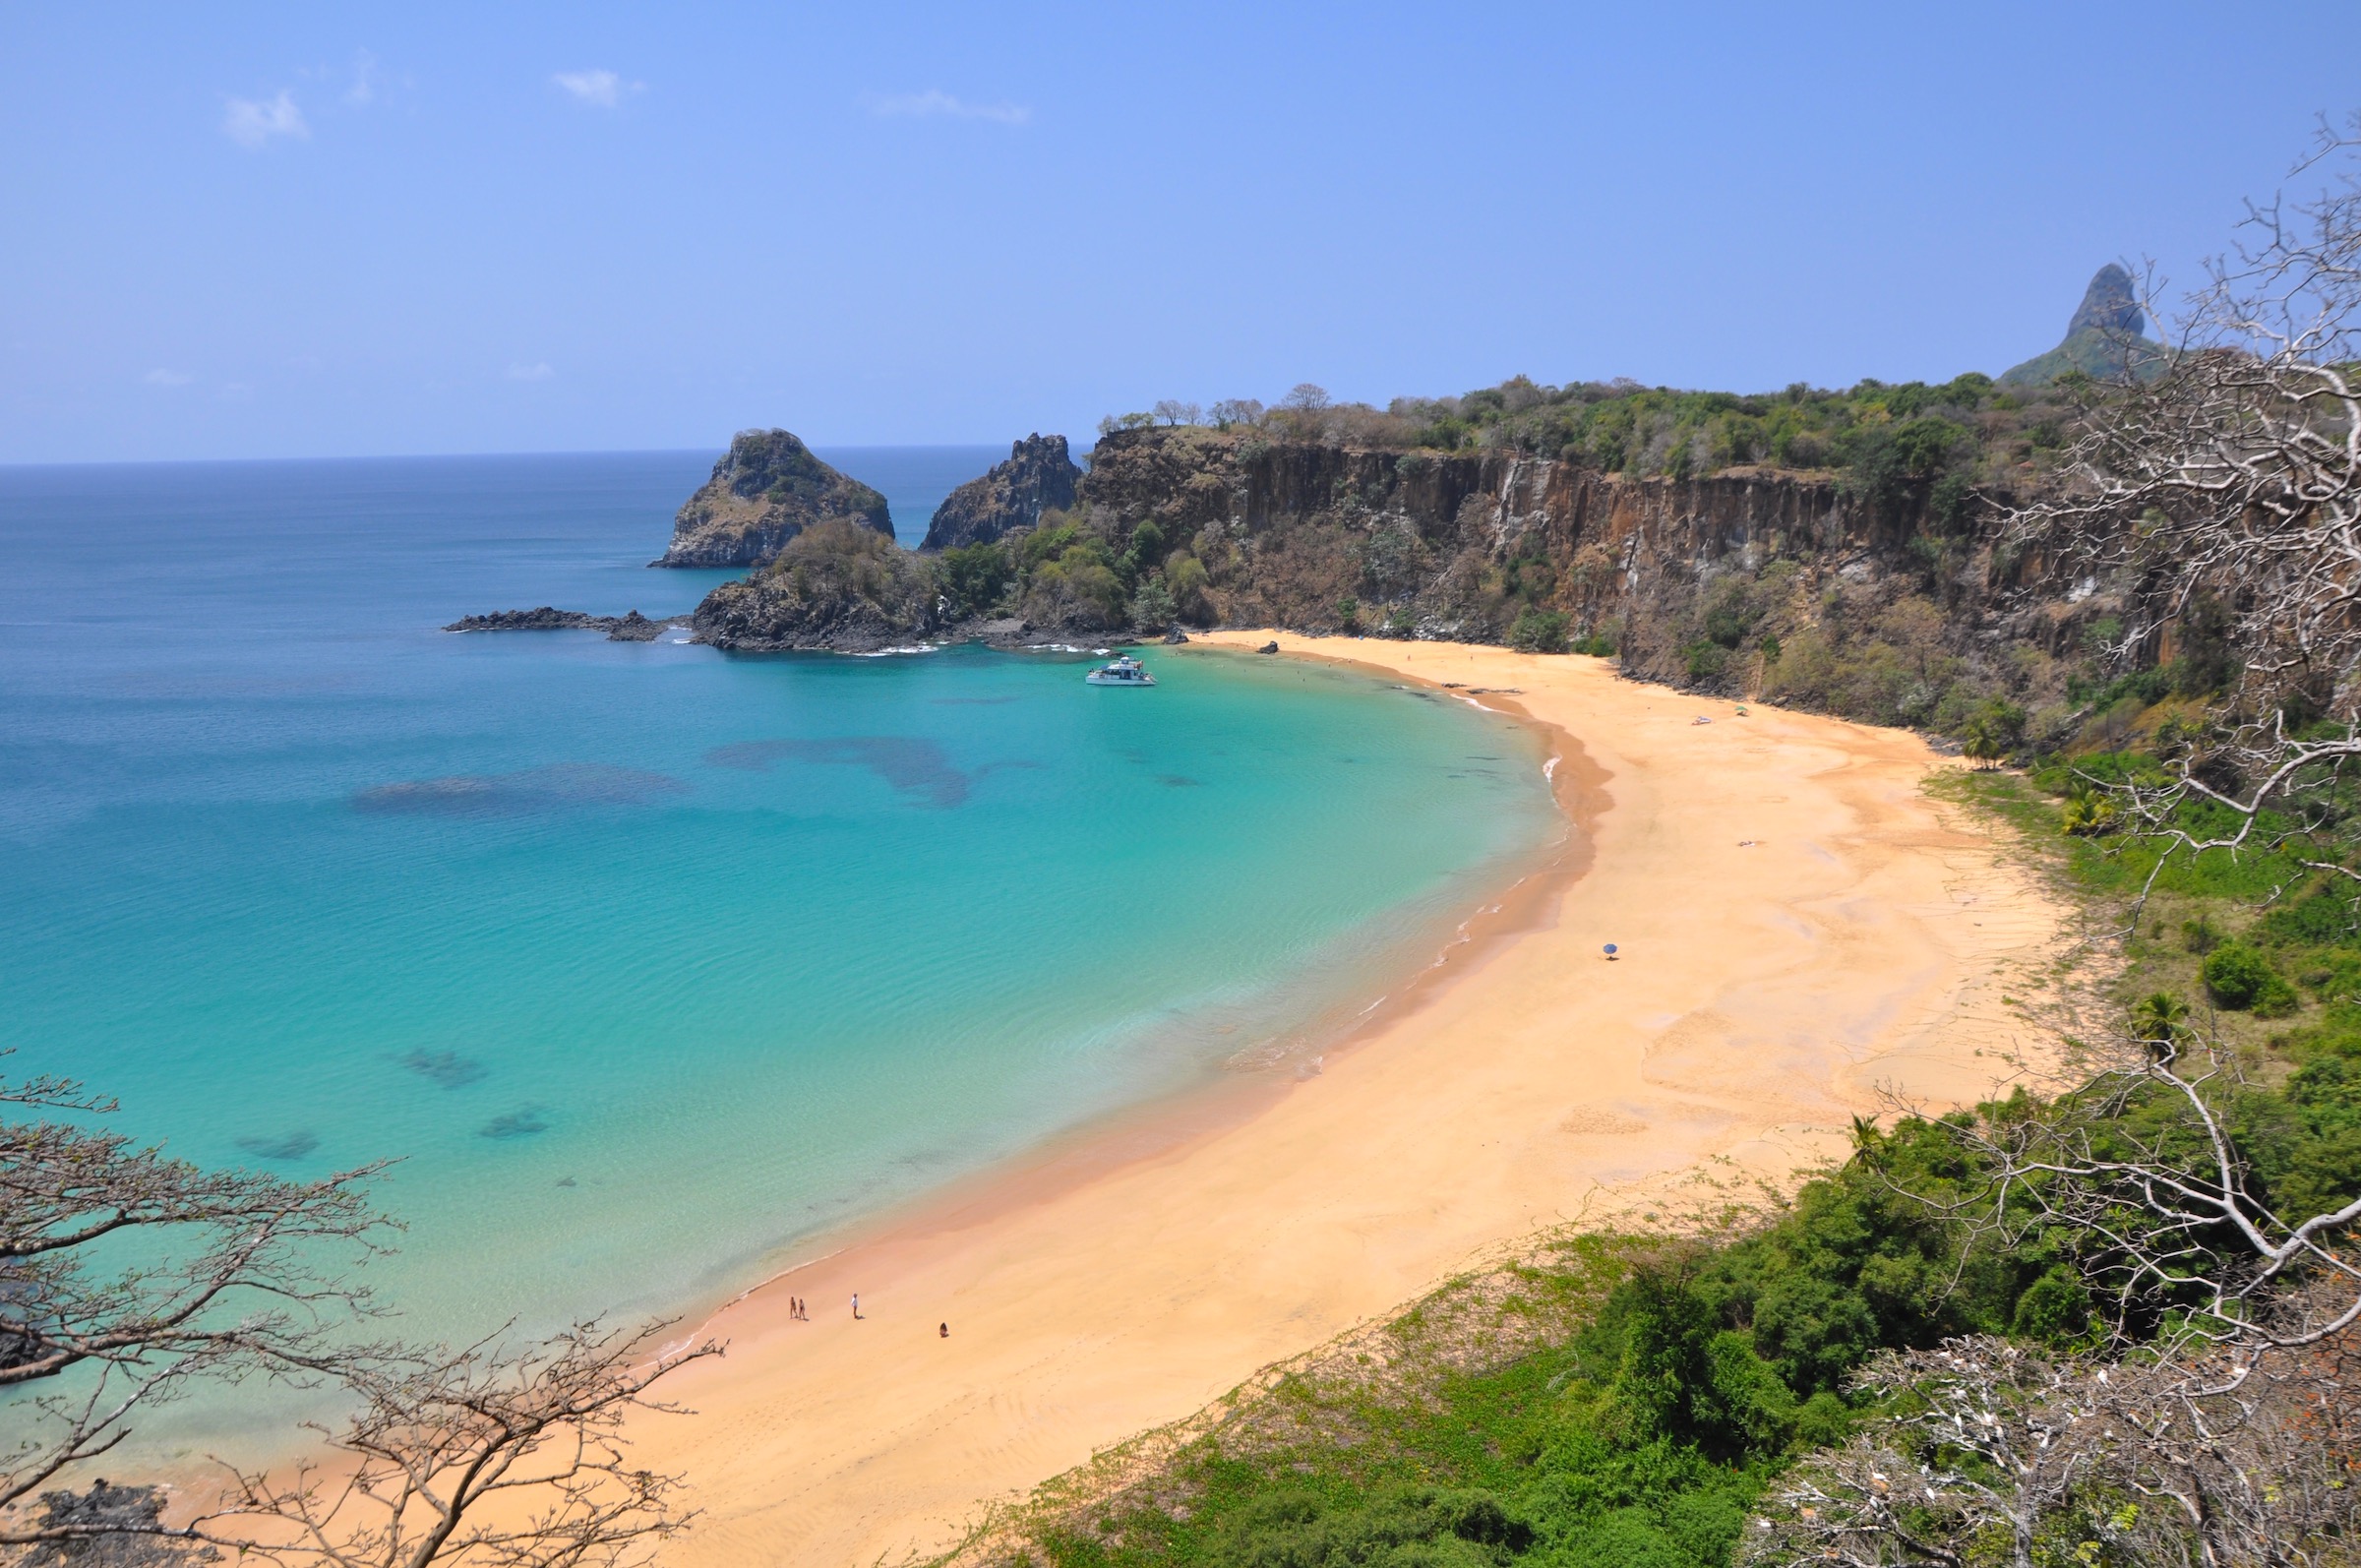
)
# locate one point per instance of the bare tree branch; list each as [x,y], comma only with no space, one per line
[481,1456]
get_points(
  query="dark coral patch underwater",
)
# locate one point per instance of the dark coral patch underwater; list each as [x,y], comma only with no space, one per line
[561,787]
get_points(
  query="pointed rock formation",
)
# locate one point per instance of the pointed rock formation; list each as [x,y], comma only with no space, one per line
[1038,477]
[2103,339]
[765,490]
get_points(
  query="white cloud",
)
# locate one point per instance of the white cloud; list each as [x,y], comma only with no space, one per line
[166,378]
[933,101]
[535,372]
[602,89]
[365,80]
[251,122]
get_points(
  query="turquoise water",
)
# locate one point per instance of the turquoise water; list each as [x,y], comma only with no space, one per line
[650,964]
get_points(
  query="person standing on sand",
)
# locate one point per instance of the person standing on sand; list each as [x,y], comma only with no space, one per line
[856,1305]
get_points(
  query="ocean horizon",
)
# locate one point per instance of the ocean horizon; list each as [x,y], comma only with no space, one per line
[647,964]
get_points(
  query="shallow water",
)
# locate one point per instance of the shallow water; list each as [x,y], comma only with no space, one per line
[647,962]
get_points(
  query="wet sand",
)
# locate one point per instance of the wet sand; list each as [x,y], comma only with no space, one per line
[1799,929]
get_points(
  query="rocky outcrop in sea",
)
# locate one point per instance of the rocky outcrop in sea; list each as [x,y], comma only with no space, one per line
[1038,476]
[632,628]
[765,490]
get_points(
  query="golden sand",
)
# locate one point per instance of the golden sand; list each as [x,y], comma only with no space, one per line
[1800,927]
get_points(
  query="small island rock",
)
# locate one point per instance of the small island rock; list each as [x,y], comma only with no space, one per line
[766,489]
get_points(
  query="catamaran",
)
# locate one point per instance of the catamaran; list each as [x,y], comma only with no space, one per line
[1126,670]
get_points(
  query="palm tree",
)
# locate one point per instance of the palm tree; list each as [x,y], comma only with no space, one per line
[2089,808]
[2160,1020]
[1982,735]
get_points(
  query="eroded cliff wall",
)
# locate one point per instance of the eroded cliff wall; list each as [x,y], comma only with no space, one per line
[1790,585]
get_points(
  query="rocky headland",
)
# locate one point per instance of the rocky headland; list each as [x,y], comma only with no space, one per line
[1845,551]
[765,490]
[1038,477]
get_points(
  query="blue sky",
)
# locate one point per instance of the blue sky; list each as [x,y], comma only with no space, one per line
[252,230]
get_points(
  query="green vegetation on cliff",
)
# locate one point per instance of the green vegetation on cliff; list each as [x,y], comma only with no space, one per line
[835,584]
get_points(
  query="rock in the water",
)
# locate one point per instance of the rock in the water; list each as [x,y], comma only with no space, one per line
[545,618]
[633,628]
[765,490]
[122,1524]
[1038,477]
[1268,648]
[636,628]
[1176,635]
[2102,341]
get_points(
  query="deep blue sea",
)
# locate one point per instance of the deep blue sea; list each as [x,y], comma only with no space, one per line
[648,963]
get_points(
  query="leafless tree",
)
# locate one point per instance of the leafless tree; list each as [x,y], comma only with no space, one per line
[2227,490]
[1237,411]
[478,1456]
[1174,412]
[1994,1449]
[486,1454]
[225,1283]
[1987,1446]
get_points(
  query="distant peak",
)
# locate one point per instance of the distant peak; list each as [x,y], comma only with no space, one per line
[2109,305]
[2102,342]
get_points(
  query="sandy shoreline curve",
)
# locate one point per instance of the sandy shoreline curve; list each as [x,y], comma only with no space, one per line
[1800,925]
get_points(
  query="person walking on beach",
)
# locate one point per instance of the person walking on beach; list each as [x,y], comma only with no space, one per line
[856,1305]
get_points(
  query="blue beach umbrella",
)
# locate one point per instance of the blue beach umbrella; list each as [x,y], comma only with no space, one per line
[1610,950]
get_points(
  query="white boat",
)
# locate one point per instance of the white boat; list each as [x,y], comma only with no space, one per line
[1126,670]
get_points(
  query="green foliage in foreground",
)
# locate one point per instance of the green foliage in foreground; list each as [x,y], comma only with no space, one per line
[1641,1439]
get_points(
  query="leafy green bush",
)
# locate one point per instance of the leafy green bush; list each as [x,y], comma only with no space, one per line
[2241,978]
[1705,661]
[974,577]
[1152,607]
[2324,918]
[1539,631]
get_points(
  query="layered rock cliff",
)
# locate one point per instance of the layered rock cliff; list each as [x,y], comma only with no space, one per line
[765,490]
[1038,476]
[1802,586]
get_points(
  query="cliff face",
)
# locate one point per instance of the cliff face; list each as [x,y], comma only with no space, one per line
[1790,585]
[765,490]
[1038,476]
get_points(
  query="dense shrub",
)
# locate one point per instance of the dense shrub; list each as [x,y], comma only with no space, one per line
[2239,977]
[1539,631]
